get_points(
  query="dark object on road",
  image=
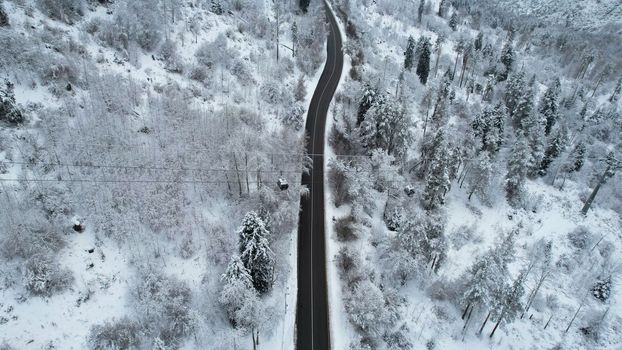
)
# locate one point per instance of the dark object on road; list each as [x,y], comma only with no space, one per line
[409,190]
[91,250]
[68,87]
[283,185]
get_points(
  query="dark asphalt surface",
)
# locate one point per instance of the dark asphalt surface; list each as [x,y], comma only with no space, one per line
[312,320]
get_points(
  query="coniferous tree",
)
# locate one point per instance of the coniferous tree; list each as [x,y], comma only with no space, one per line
[420,10]
[301,91]
[514,96]
[555,148]
[442,8]
[507,56]
[387,127]
[549,106]
[453,21]
[510,304]
[9,110]
[576,159]
[480,176]
[519,163]
[409,54]
[423,62]
[437,177]
[486,279]
[255,252]
[238,296]
[304,5]
[485,129]
[368,99]
[4,19]
[533,125]
[489,89]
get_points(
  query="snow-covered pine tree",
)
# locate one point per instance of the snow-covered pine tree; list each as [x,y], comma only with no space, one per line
[510,303]
[238,296]
[486,279]
[514,91]
[9,111]
[437,177]
[301,91]
[507,57]
[489,89]
[554,149]
[533,126]
[409,54]
[480,176]
[523,113]
[549,105]
[442,8]
[453,21]
[4,19]
[255,252]
[519,163]
[304,5]
[420,10]
[424,48]
[576,159]
[387,127]
[369,97]
[488,129]
[601,290]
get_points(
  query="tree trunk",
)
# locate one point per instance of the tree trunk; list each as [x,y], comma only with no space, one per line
[453,75]
[588,202]
[247,174]
[237,173]
[466,310]
[438,58]
[484,324]
[573,317]
[600,79]
[497,324]
[549,321]
[466,323]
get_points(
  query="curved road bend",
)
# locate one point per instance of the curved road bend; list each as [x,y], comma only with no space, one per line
[312,325]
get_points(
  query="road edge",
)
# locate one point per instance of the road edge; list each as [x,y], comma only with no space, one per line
[336,322]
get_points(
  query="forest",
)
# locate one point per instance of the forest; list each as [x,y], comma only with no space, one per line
[473,193]
[141,143]
[475,190]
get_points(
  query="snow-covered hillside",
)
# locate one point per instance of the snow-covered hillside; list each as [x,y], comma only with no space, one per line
[139,141]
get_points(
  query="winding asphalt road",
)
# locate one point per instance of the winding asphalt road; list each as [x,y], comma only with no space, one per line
[312,319]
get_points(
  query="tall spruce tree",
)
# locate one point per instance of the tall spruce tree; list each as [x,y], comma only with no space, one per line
[304,5]
[387,127]
[437,177]
[4,19]
[554,149]
[453,21]
[519,163]
[409,54]
[423,63]
[481,175]
[255,252]
[238,296]
[549,105]
[420,10]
